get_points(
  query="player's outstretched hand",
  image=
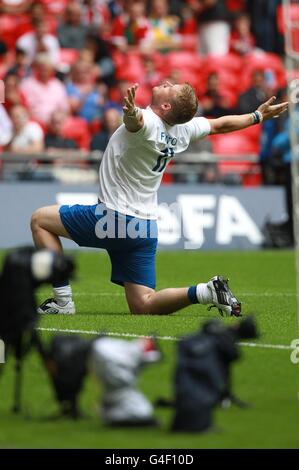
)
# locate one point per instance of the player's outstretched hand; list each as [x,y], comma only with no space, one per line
[270,110]
[129,99]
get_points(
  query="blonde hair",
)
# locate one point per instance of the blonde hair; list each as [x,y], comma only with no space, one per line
[183,106]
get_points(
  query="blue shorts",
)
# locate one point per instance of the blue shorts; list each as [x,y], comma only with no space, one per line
[130,242]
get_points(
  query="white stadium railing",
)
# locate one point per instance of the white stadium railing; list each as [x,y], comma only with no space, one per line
[185,164]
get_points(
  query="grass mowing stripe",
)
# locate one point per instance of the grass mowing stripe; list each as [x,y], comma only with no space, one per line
[249,294]
[165,338]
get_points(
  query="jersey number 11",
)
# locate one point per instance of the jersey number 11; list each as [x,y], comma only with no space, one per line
[162,159]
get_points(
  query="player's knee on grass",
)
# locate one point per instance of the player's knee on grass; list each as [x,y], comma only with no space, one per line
[139,298]
[139,307]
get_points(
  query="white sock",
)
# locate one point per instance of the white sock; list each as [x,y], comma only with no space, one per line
[203,293]
[62,295]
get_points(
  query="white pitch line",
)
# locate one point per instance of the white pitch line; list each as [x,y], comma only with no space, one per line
[266,346]
[165,338]
[107,333]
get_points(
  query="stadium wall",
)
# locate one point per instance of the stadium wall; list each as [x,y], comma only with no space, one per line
[191,216]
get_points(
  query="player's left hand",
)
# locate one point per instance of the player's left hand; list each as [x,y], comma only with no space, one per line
[270,110]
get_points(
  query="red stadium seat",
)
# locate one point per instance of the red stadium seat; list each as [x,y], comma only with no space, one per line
[239,143]
[77,128]
[186,75]
[184,60]
[68,56]
[234,145]
[229,62]
[189,42]
[131,68]
[235,5]
[9,29]
[246,141]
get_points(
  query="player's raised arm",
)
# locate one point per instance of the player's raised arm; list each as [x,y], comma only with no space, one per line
[234,123]
[133,118]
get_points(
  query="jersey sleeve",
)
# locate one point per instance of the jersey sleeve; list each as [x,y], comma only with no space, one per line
[148,124]
[198,127]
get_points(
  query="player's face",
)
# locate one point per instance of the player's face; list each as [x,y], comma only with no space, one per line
[164,93]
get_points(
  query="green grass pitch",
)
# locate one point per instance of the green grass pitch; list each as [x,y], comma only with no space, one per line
[265,377]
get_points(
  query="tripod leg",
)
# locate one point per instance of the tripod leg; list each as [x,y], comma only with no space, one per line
[18,385]
[18,375]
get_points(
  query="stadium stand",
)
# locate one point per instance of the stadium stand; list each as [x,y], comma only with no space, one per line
[99,47]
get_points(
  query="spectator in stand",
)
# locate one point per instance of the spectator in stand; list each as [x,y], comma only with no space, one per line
[39,40]
[214,103]
[152,77]
[43,92]
[111,96]
[21,67]
[13,94]
[3,58]
[263,15]
[3,47]
[270,169]
[96,13]
[116,7]
[242,42]
[15,7]
[36,13]
[257,94]
[214,29]
[280,157]
[188,23]
[55,138]
[84,96]
[130,28]
[72,32]
[5,127]
[28,136]
[163,34]
[112,119]
[101,57]
[72,128]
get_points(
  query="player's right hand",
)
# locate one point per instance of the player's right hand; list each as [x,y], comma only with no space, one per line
[129,106]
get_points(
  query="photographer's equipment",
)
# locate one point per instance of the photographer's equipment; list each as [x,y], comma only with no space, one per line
[116,363]
[23,271]
[202,377]
[66,362]
[279,235]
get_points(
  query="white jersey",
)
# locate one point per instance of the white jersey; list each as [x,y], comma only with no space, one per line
[134,162]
